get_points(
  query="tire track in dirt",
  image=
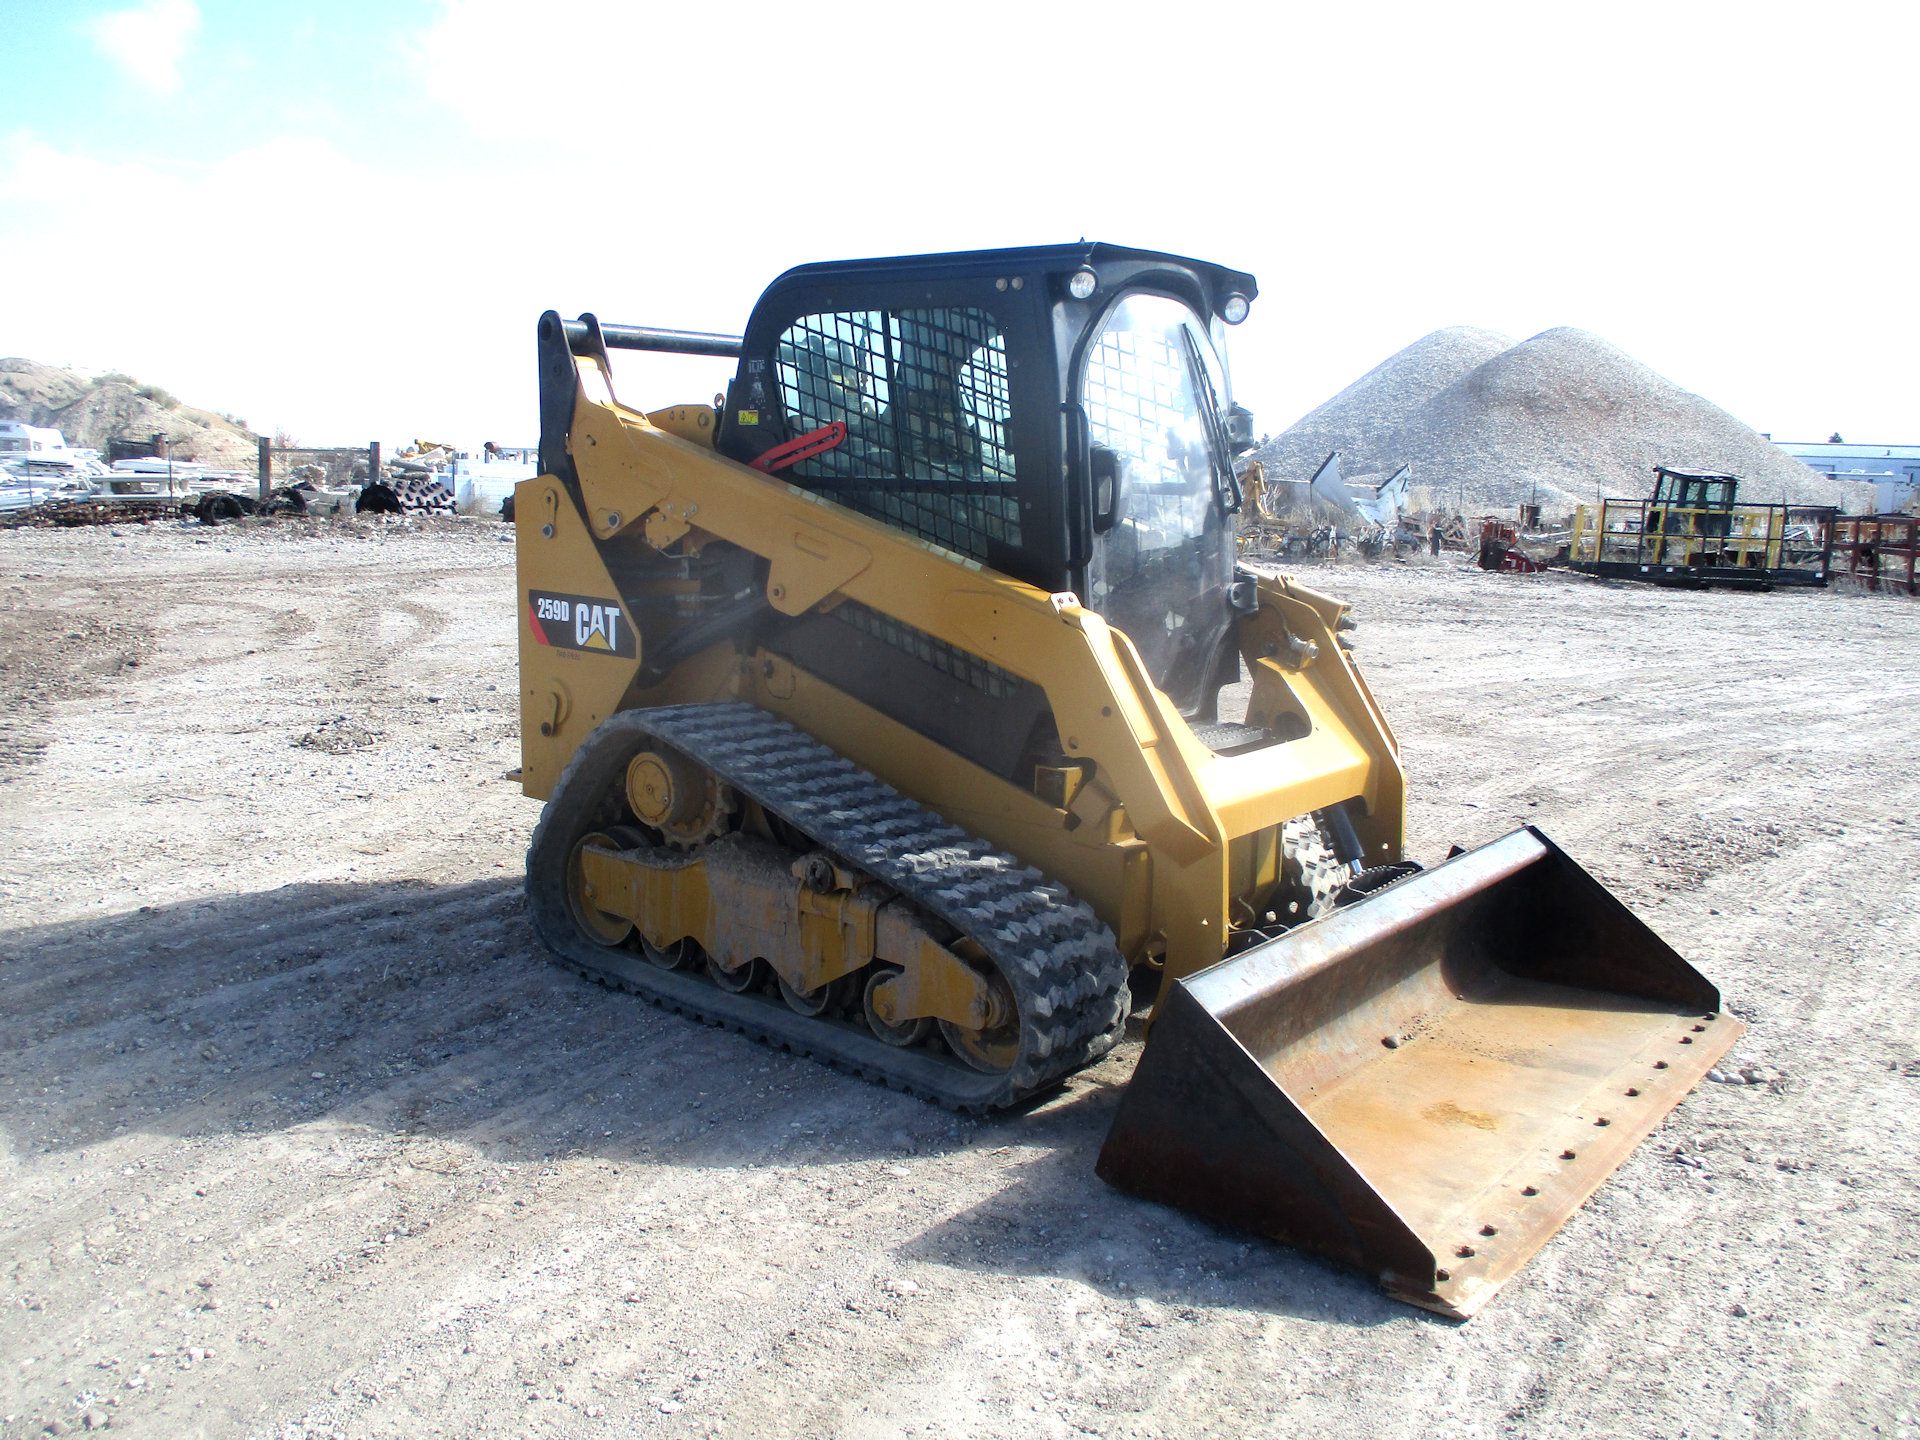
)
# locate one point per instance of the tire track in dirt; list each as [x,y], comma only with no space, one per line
[57,654]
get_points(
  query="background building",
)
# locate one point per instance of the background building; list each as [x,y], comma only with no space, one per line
[1892,470]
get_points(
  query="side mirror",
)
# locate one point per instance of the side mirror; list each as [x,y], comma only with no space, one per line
[1108,473]
[1240,429]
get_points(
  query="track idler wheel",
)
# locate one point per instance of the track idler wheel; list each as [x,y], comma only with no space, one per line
[680,955]
[751,976]
[600,926]
[829,999]
[904,1034]
[995,1046]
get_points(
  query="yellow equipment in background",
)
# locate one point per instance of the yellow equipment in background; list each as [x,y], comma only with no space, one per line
[1694,531]
[877,712]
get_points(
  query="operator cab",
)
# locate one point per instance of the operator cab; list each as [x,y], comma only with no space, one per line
[1061,414]
[1694,489]
[1691,502]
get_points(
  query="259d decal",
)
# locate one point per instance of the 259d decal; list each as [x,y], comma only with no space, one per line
[579,622]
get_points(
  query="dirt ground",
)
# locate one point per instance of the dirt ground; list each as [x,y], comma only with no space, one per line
[300,1136]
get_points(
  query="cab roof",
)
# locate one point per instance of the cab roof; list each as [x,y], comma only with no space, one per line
[1115,265]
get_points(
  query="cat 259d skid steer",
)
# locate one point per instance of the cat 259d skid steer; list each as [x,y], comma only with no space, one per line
[876,709]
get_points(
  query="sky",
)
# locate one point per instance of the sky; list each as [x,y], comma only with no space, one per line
[342,221]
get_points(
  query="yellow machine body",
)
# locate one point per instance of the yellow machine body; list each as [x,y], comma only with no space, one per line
[1165,837]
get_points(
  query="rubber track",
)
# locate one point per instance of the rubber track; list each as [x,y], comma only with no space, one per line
[1304,841]
[1066,973]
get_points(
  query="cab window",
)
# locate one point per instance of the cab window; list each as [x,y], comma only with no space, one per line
[926,400]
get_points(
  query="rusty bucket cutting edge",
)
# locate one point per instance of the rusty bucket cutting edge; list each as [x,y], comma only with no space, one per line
[1425,1084]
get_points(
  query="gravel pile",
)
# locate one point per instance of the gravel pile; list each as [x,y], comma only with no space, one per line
[1487,424]
[1363,420]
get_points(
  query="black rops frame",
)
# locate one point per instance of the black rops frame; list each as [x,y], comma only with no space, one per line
[983,282]
[1046,332]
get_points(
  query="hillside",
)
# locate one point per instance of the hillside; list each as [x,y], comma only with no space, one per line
[1564,416]
[91,410]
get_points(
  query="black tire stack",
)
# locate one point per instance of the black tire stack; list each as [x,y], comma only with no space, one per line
[218,505]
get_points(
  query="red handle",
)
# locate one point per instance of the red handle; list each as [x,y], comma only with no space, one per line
[801,447]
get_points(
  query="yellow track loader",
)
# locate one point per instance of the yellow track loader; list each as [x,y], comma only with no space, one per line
[877,712]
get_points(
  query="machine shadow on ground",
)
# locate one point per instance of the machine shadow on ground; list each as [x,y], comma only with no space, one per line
[1056,1217]
[418,1012]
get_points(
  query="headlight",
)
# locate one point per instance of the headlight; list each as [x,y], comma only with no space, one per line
[1081,286]
[1235,309]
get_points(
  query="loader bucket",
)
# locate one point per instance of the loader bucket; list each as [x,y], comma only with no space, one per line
[1427,1083]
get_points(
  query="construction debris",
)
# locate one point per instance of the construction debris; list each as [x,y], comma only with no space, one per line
[1504,546]
[1878,551]
[1326,516]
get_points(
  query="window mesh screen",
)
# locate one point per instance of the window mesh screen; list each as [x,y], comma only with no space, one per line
[1139,399]
[926,403]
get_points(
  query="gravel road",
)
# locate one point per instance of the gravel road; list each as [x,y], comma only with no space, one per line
[299,1135]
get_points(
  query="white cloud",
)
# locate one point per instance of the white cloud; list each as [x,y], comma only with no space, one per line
[287,320]
[1512,175]
[148,41]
